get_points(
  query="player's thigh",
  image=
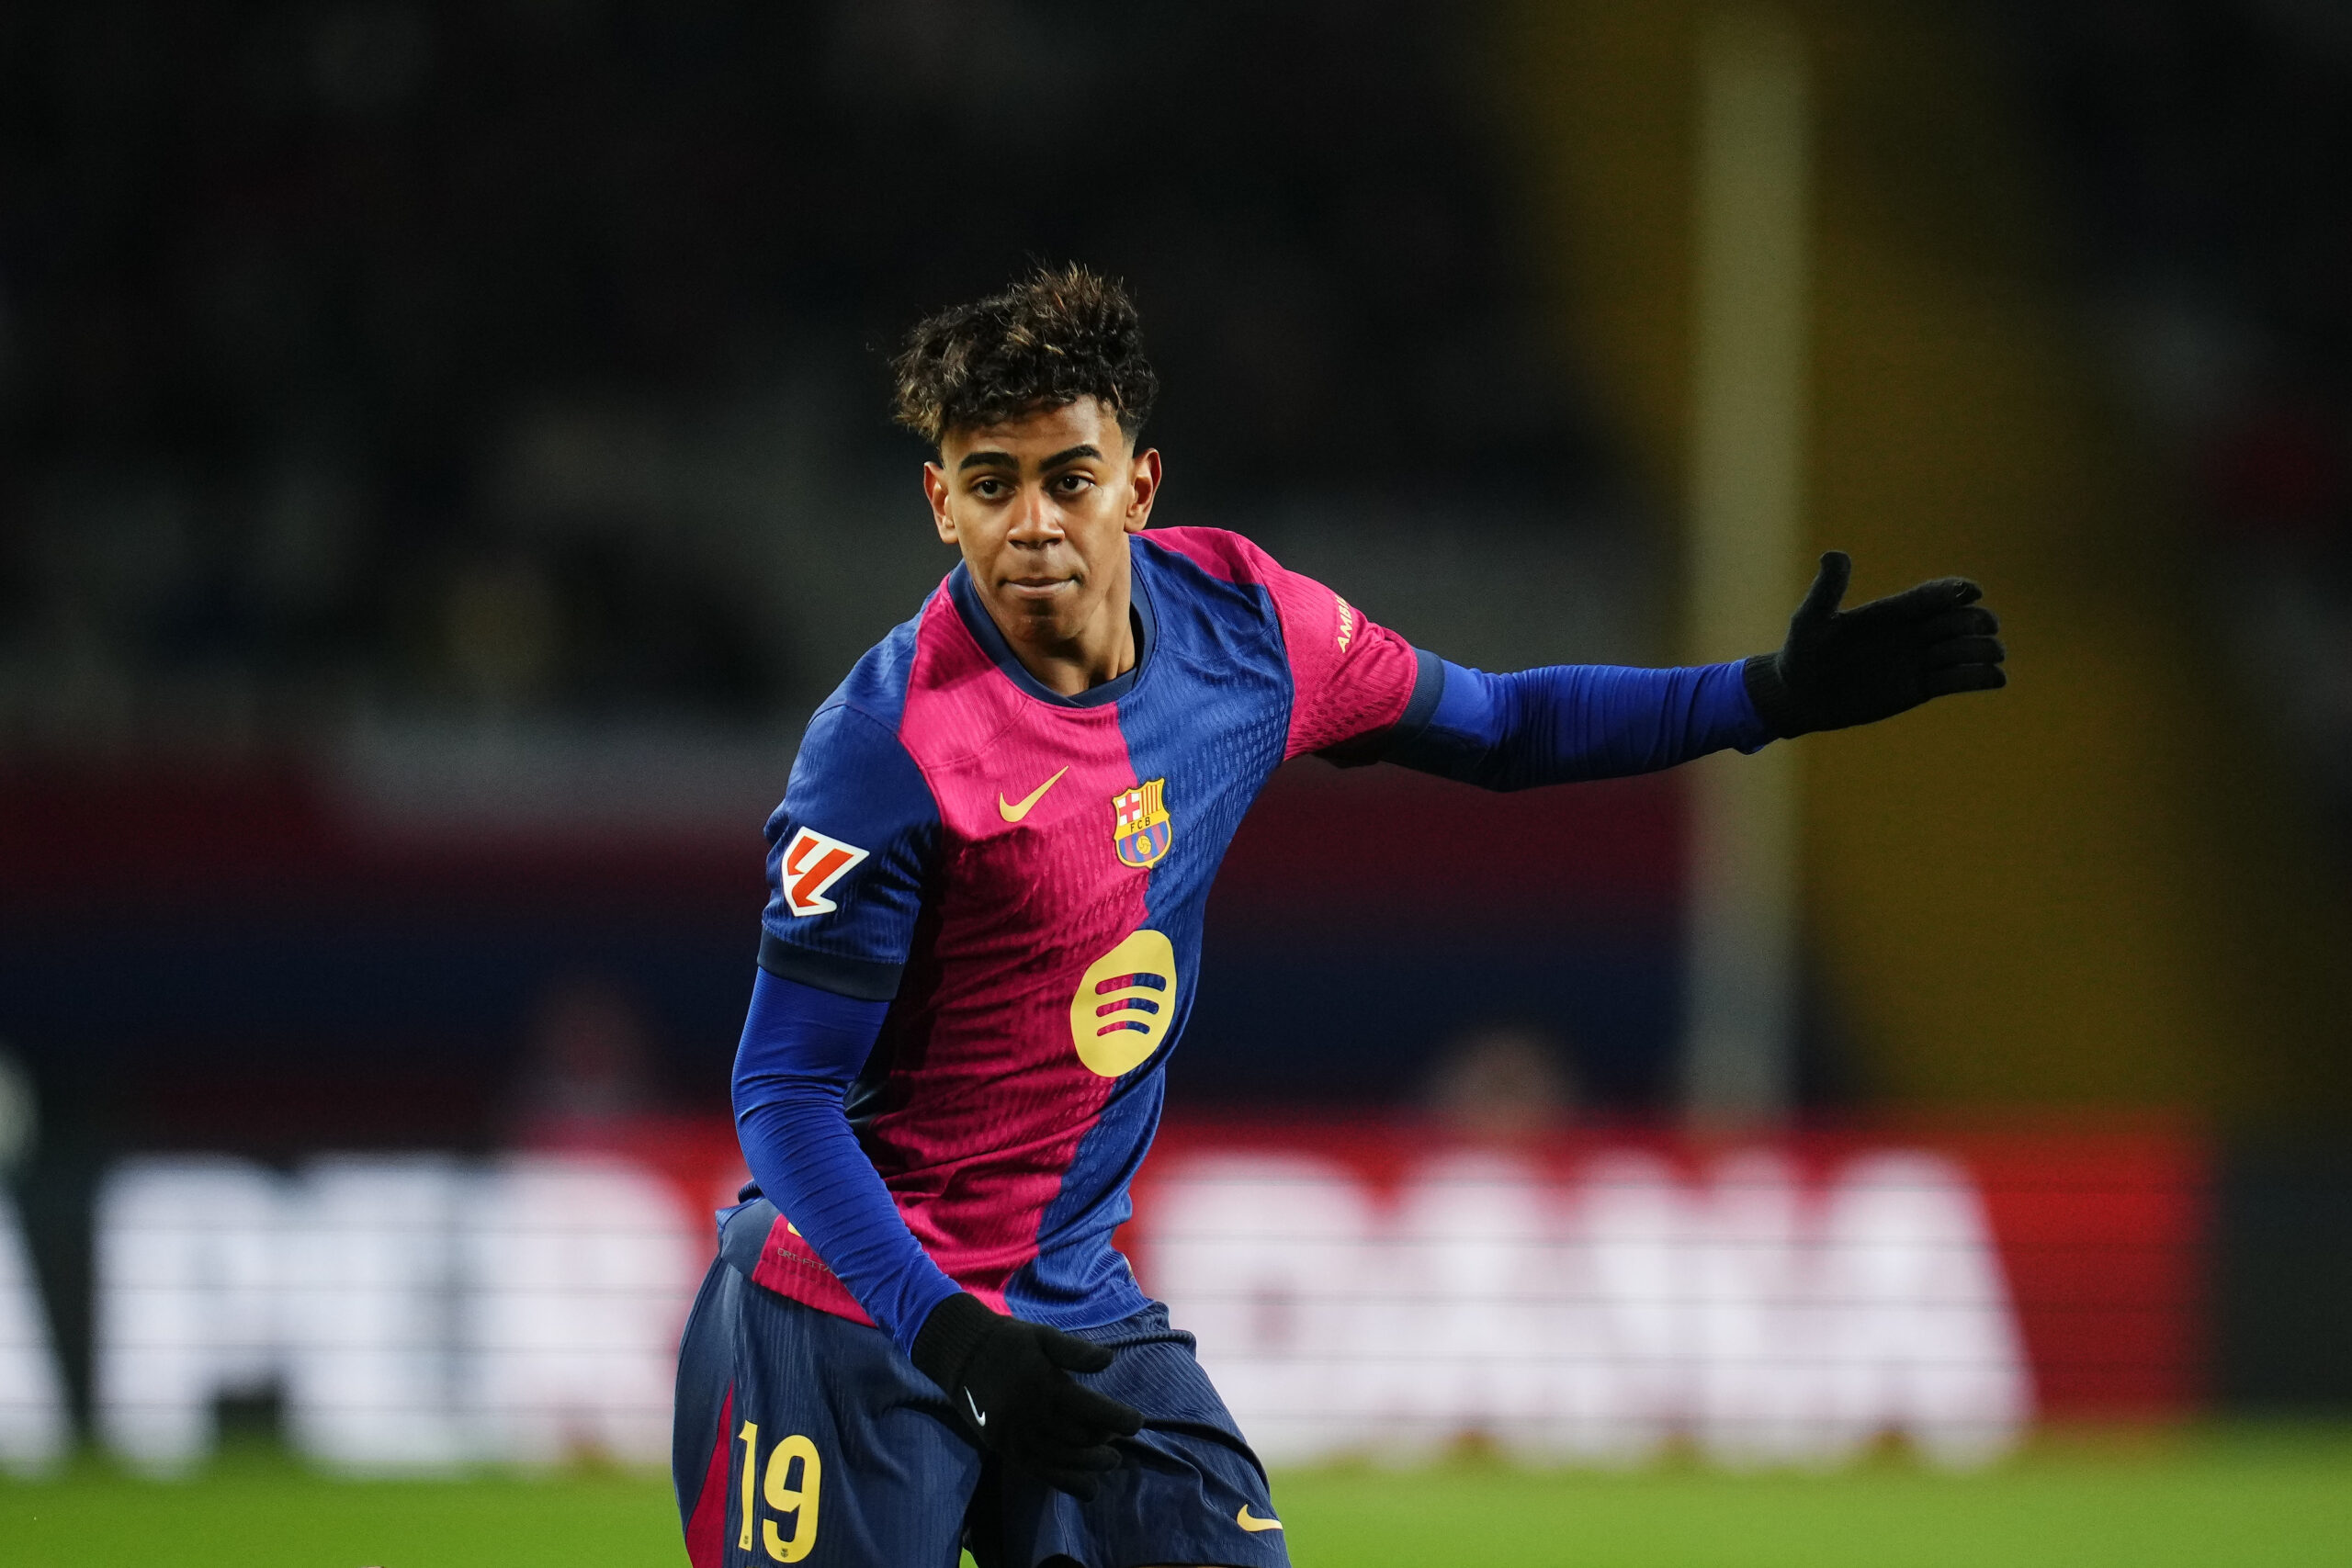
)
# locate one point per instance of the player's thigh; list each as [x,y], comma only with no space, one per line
[1189,1489]
[823,1447]
[1181,1495]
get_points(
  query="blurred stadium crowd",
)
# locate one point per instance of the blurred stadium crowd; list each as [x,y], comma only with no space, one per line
[392,356]
[2193,144]
[511,359]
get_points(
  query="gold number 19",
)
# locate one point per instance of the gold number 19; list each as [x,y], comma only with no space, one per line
[799,1503]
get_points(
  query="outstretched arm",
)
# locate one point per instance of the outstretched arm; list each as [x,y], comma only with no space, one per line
[1569,722]
[1565,723]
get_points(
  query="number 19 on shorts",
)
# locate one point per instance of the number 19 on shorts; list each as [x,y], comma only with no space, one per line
[789,1489]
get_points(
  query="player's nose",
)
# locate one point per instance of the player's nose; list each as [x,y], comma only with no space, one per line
[1034,521]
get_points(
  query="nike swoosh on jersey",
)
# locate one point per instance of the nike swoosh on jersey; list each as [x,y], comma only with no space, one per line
[981,1417]
[1254,1524]
[1016,813]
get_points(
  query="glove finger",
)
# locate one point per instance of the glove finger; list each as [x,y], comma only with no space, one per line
[1963,650]
[1094,1412]
[1052,1433]
[1083,1484]
[1917,602]
[1974,620]
[1963,678]
[1070,1352]
[1097,1456]
[1829,587]
[1058,1424]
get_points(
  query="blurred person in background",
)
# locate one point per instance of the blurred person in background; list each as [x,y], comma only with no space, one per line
[588,1070]
[19,1114]
[1501,1083]
[988,879]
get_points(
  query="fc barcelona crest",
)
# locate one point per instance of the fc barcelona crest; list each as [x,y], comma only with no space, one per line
[1140,824]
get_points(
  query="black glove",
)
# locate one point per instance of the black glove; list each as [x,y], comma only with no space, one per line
[1841,668]
[1010,1382]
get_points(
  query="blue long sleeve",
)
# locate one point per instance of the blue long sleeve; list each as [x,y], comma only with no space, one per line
[1567,722]
[801,1051]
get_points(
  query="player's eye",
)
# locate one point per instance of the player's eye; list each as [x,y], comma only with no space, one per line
[1070,484]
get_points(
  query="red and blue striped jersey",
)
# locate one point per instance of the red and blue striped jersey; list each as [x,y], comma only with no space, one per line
[1022,876]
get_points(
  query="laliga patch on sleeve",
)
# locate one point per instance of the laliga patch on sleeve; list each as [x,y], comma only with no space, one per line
[813,862]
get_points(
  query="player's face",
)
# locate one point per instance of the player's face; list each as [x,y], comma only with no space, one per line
[1042,506]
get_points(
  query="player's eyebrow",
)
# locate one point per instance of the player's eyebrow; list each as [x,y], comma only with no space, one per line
[1005,459]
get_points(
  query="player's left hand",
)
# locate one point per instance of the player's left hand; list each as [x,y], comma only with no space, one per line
[1009,1383]
[1846,667]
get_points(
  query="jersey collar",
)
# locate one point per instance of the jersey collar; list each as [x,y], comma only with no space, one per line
[984,630]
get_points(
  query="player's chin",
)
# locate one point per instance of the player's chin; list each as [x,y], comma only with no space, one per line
[1044,612]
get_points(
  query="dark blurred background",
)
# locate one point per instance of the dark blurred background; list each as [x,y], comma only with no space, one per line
[395,358]
[442,433]
[2191,146]
[443,457]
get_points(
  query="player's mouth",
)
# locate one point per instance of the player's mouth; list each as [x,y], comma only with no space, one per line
[1036,590]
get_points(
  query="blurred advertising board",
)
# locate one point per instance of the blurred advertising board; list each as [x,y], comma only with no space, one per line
[1359,1287]
[33,1428]
[1373,1287]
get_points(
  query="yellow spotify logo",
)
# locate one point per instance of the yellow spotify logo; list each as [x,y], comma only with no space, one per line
[1120,1014]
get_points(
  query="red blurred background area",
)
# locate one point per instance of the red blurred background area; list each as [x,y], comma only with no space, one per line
[2096,1238]
[2101,1232]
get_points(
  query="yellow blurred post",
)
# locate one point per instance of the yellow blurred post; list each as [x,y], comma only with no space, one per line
[1748,428]
[2088,889]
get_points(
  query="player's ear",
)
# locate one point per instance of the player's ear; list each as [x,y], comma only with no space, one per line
[1143,489]
[934,489]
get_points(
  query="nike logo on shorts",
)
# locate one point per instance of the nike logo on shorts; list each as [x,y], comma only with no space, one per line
[980,1419]
[1253,1525]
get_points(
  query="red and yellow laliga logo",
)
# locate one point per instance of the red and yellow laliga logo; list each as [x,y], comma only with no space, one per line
[1140,824]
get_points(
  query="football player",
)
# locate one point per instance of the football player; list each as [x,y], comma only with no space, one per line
[982,942]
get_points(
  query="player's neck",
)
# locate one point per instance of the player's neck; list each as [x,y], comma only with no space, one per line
[1101,650]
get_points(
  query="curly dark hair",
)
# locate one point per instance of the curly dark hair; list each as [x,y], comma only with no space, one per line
[1057,335]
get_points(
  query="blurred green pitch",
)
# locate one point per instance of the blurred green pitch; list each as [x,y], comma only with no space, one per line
[2277,1496]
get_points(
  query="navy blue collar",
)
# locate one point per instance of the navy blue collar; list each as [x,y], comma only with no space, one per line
[983,626]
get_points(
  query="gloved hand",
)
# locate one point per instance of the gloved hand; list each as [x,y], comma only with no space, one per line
[1841,668]
[1010,1382]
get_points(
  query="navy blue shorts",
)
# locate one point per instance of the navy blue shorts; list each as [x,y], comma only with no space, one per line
[804,1438]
